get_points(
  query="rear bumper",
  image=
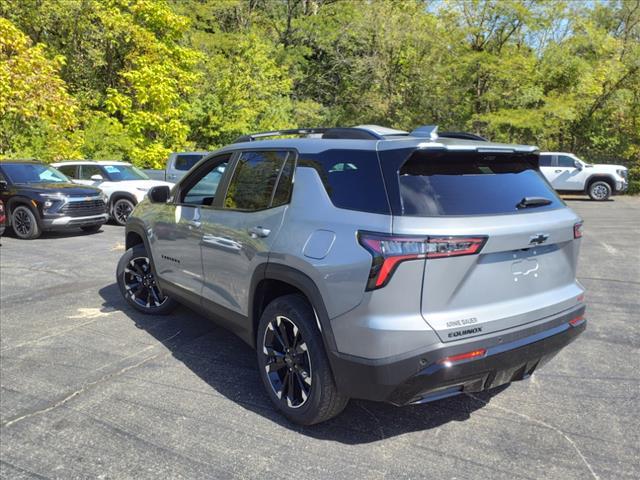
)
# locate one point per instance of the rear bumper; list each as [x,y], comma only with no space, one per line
[510,356]
[59,223]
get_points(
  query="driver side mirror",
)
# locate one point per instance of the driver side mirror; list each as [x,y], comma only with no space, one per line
[3,186]
[97,177]
[577,164]
[159,194]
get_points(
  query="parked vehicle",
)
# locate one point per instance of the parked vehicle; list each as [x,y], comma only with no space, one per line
[178,164]
[568,174]
[37,197]
[3,218]
[124,184]
[398,267]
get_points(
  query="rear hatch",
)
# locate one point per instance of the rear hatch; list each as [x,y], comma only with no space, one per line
[502,250]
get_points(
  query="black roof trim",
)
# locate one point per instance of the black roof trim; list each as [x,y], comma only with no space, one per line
[463,136]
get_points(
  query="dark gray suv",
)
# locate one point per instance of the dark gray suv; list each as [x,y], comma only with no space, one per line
[366,262]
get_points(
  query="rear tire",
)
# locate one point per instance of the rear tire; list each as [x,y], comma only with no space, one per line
[293,363]
[91,229]
[137,283]
[600,191]
[121,209]
[25,223]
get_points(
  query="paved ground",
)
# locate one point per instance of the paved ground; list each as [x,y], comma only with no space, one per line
[89,388]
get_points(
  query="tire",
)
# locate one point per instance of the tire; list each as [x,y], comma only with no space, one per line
[600,191]
[302,387]
[120,210]
[138,286]
[25,223]
[91,229]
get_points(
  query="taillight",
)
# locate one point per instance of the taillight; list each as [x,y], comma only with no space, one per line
[574,322]
[577,230]
[448,361]
[388,251]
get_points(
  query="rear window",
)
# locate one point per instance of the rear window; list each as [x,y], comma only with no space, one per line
[471,184]
[186,161]
[352,179]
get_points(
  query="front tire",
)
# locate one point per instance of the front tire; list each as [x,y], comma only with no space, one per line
[600,191]
[121,210]
[138,285]
[293,364]
[25,223]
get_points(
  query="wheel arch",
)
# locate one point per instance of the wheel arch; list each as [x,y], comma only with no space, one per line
[272,280]
[115,196]
[601,177]
[17,201]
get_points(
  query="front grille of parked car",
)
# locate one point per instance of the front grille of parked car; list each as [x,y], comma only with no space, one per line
[84,208]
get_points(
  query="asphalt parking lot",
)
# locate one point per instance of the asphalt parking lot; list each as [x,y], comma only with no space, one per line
[92,389]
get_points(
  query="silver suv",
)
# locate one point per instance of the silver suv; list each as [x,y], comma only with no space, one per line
[366,262]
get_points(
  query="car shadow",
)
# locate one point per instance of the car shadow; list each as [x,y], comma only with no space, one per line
[586,199]
[53,234]
[228,365]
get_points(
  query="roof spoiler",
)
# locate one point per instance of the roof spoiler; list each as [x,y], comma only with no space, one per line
[425,131]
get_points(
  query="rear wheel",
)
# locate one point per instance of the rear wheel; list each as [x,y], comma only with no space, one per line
[121,210]
[138,284]
[599,190]
[293,364]
[25,223]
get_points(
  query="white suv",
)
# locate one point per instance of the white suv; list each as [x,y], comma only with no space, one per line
[567,173]
[124,184]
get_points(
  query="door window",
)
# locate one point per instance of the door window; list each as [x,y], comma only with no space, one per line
[546,160]
[566,162]
[69,170]
[203,191]
[87,171]
[254,180]
[186,162]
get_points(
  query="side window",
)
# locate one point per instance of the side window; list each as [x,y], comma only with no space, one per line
[282,195]
[203,192]
[545,160]
[352,179]
[567,162]
[87,171]
[254,179]
[186,162]
[68,170]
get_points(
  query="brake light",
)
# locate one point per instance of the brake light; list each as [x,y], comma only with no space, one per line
[448,361]
[388,251]
[577,230]
[574,322]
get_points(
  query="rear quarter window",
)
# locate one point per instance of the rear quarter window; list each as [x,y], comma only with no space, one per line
[352,178]
[187,161]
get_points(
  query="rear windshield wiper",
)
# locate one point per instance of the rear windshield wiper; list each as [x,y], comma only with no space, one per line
[527,202]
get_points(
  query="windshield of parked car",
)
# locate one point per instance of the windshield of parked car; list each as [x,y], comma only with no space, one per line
[33,173]
[118,173]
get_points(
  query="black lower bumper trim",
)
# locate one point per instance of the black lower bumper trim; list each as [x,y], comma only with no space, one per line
[422,378]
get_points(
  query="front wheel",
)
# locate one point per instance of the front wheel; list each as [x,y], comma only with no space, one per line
[293,364]
[121,210]
[24,222]
[138,285]
[599,190]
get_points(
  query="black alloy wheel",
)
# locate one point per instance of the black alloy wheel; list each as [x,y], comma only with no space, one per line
[122,208]
[140,284]
[288,365]
[24,223]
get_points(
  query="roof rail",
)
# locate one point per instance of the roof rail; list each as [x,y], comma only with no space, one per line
[354,133]
[463,136]
[425,131]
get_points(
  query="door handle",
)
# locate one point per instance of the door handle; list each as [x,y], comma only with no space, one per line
[259,232]
[559,171]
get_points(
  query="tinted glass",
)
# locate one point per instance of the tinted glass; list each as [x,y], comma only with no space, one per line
[352,178]
[254,179]
[118,173]
[285,184]
[457,184]
[32,173]
[68,170]
[205,189]
[186,162]
[87,171]
[545,160]
[564,161]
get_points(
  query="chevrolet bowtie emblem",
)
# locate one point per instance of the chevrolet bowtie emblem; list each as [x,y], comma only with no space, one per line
[538,239]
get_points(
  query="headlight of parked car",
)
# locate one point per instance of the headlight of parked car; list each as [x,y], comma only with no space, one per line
[623,172]
[52,200]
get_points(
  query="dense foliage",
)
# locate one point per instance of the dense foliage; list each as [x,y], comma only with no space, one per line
[135,79]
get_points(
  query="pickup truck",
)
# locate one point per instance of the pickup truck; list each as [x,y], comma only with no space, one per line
[568,174]
[178,165]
